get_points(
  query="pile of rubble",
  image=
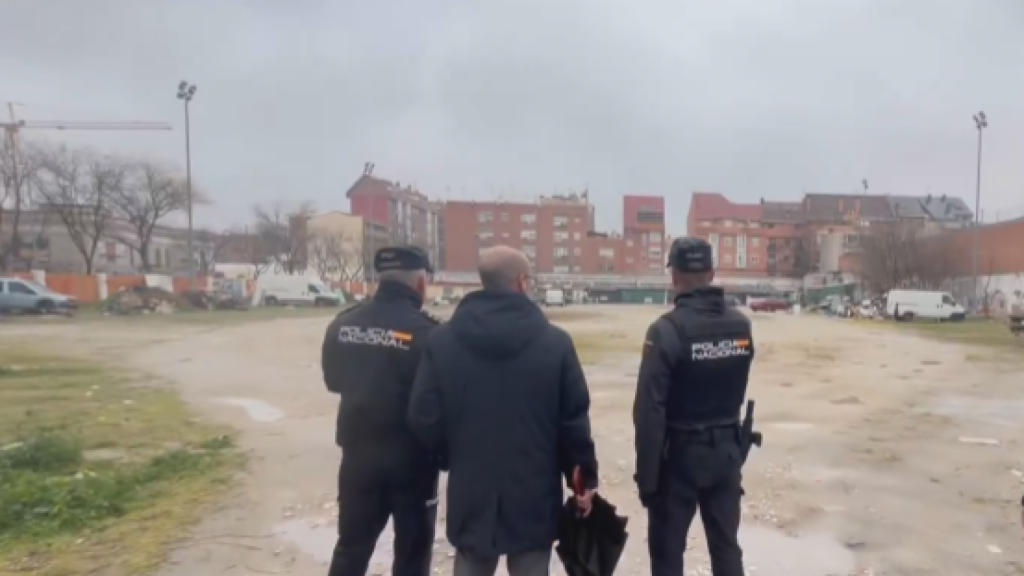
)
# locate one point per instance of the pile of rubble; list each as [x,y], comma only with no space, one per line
[153,300]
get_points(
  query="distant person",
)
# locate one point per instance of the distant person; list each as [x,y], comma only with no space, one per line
[692,382]
[501,392]
[370,354]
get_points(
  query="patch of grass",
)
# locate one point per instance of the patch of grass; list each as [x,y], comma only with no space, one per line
[212,317]
[982,333]
[64,511]
[594,347]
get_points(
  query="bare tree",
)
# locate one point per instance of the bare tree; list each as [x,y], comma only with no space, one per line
[897,255]
[209,246]
[150,193]
[284,232]
[334,255]
[16,171]
[78,189]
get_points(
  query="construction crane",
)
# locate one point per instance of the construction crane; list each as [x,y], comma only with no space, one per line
[14,126]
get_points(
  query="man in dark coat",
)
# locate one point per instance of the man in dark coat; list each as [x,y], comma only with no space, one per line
[370,354]
[501,392]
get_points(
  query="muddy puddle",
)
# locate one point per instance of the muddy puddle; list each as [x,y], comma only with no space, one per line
[257,410]
[768,552]
[1002,412]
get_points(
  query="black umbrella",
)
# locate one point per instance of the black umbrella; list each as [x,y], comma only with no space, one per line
[590,545]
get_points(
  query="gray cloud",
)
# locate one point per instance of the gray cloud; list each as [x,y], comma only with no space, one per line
[750,98]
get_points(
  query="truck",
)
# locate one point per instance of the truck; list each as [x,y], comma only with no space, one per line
[554,298]
[282,289]
[908,305]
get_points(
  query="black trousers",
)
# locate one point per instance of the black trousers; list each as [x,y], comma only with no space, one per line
[701,470]
[367,496]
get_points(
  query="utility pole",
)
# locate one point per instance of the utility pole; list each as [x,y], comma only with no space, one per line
[981,122]
[185,93]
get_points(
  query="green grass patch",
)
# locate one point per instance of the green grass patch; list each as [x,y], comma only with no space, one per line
[595,347]
[983,333]
[98,473]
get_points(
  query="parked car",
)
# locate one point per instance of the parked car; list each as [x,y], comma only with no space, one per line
[769,305]
[19,295]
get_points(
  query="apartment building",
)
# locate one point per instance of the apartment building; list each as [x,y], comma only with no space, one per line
[552,232]
[557,234]
[409,216]
[46,244]
[817,234]
[644,238]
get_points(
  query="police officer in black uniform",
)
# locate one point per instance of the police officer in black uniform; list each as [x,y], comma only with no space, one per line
[693,378]
[370,355]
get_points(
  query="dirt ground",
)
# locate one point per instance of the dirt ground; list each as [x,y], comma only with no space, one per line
[879,455]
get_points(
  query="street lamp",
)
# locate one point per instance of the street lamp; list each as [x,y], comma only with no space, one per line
[981,122]
[185,93]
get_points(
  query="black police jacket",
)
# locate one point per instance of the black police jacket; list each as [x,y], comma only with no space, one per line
[696,361]
[370,355]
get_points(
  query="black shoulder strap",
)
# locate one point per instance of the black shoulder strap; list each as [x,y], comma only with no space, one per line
[670,337]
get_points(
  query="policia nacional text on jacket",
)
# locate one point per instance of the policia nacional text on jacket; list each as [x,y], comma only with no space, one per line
[370,355]
[692,381]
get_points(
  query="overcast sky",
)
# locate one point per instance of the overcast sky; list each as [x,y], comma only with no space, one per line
[475,99]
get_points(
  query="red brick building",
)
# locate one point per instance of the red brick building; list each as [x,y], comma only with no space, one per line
[552,232]
[409,216]
[557,234]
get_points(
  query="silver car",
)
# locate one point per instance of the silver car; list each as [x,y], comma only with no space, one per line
[19,295]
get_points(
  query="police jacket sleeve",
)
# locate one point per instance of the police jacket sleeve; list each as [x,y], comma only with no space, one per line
[329,361]
[425,415]
[649,413]
[575,443]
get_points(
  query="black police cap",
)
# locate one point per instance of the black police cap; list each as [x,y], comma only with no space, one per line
[401,258]
[690,255]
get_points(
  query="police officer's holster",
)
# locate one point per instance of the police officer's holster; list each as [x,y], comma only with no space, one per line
[369,493]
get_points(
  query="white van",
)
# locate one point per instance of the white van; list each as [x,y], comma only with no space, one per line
[280,289]
[554,298]
[910,304]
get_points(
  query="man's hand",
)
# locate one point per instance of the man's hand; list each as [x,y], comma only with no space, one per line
[584,502]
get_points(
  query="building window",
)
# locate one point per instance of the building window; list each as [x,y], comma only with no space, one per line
[530,250]
[528,218]
[576,236]
[561,252]
[727,240]
[485,217]
[560,269]
[576,220]
[577,251]
[755,241]
[754,260]
[654,253]
[629,243]
[741,260]
[561,236]
[561,221]
[504,234]
[503,216]
[576,268]
[629,260]
[728,223]
[728,258]
[485,235]
[705,224]
[527,234]
[655,237]
[741,242]
[607,267]
[606,252]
